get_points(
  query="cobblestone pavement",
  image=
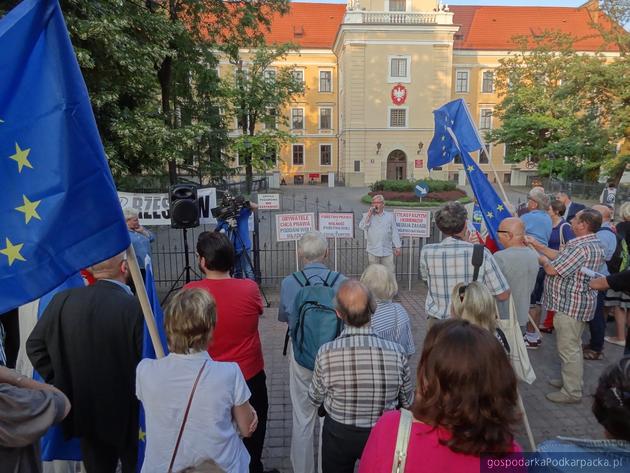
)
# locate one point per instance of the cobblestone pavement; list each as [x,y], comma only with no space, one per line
[547,420]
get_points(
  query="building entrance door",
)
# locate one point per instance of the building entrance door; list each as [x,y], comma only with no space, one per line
[397,165]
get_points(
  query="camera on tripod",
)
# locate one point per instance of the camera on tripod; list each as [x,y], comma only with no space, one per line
[230,208]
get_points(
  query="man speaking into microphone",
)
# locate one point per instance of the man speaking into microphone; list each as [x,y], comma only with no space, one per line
[381,233]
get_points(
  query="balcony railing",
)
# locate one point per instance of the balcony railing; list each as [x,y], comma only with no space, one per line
[399,18]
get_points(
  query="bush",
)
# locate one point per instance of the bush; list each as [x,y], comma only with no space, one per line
[435,185]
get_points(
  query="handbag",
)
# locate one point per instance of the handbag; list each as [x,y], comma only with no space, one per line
[518,351]
[402,441]
[181,429]
[561,234]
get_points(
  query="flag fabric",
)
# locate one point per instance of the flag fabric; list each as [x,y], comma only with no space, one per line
[54,445]
[454,131]
[59,209]
[147,347]
[492,207]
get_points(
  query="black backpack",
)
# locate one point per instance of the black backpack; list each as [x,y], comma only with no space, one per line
[616,260]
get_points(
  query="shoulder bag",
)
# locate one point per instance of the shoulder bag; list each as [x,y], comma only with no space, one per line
[402,441]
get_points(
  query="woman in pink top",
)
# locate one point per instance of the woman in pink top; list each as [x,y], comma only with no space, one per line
[465,406]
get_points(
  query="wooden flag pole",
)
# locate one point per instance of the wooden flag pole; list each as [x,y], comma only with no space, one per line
[141,292]
[528,429]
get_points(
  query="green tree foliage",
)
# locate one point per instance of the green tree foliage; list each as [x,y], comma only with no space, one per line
[257,94]
[563,109]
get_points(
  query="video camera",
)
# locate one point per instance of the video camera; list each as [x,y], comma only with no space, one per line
[230,208]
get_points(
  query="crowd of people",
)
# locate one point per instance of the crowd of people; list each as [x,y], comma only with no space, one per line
[562,267]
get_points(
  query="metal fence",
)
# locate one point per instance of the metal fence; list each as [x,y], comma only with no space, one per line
[583,190]
[274,259]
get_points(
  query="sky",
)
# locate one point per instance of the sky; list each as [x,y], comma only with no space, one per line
[543,3]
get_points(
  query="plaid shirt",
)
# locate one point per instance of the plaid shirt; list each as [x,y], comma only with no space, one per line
[443,265]
[568,291]
[358,376]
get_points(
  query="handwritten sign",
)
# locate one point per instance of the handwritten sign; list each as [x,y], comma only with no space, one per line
[291,227]
[336,225]
[413,223]
[269,201]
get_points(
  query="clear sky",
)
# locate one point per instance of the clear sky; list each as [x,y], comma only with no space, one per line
[544,3]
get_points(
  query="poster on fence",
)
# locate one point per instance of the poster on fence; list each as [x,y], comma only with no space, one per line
[153,209]
[336,225]
[269,201]
[291,227]
[413,223]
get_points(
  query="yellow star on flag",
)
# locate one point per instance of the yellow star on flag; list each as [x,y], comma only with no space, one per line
[500,208]
[142,435]
[29,209]
[470,168]
[13,251]
[489,215]
[21,157]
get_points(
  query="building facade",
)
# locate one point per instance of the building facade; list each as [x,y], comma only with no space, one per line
[374,70]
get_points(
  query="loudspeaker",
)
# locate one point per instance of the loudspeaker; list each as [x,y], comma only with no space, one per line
[184,206]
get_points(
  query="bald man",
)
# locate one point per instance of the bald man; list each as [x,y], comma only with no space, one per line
[87,344]
[519,265]
[347,370]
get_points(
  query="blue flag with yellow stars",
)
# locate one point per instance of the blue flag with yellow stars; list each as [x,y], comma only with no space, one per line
[492,207]
[58,204]
[454,130]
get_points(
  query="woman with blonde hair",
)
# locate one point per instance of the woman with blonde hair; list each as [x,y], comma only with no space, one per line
[195,407]
[474,303]
[390,321]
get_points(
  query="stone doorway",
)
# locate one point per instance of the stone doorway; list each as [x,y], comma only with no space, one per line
[397,165]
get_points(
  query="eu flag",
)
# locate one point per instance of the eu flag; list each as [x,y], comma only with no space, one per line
[147,348]
[492,207]
[454,131]
[58,203]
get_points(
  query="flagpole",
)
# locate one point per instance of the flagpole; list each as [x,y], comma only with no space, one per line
[141,292]
[485,149]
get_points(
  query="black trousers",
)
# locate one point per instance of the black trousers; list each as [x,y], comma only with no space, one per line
[342,446]
[100,457]
[257,385]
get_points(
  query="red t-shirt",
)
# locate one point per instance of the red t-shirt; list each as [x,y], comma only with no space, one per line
[424,451]
[235,337]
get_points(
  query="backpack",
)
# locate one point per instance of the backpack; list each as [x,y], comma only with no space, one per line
[619,260]
[317,322]
[477,259]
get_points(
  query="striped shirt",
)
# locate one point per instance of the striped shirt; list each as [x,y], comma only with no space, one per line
[568,291]
[391,322]
[358,376]
[443,265]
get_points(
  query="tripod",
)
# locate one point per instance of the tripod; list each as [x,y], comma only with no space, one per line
[185,272]
[233,235]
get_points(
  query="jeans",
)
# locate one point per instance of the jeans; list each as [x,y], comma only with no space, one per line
[242,268]
[342,446]
[597,326]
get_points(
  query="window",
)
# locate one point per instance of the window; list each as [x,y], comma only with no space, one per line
[461,81]
[505,152]
[397,117]
[271,156]
[357,166]
[270,119]
[298,155]
[297,118]
[270,74]
[325,155]
[507,178]
[325,81]
[299,74]
[325,118]
[483,157]
[487,85]
[485,122]
[397,5]
[399,69]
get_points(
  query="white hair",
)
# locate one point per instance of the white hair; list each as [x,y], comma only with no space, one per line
[129,213]
[624,211]
[378,197]
[313,246]
[540,198]
[381,281]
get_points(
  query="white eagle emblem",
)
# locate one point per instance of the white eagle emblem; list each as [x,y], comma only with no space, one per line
[399,94]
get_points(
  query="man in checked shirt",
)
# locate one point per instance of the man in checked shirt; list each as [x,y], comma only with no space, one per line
[357,377]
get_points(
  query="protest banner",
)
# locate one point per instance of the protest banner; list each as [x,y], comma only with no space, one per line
[413,223]
[336,225]
[269,201]
[291,227]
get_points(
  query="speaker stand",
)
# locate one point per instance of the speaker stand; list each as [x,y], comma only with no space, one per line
[185,272]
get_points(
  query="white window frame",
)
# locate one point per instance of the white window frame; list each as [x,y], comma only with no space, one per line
[267,72]
[303,154]
[489,148]
[354,165]
[389,118]
[402,80]
[319,118]
[303,118]
[467,71]
[275,121]
[407,6]
[302,70]
[319,81]
[320,154]
[483,72]
[481,110]
[275,162]
[505,149]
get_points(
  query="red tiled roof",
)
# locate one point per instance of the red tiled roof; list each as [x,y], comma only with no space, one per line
[315,25]
[491,28]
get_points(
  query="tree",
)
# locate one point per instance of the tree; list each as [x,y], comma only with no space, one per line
[257,94]
[565,110]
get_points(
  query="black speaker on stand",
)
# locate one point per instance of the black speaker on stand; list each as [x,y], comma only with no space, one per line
[184,211]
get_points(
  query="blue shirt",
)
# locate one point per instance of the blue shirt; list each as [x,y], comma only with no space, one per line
[567,233]
[242,231]
[141,245]
[608,241]
[315,272]
[538,225]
